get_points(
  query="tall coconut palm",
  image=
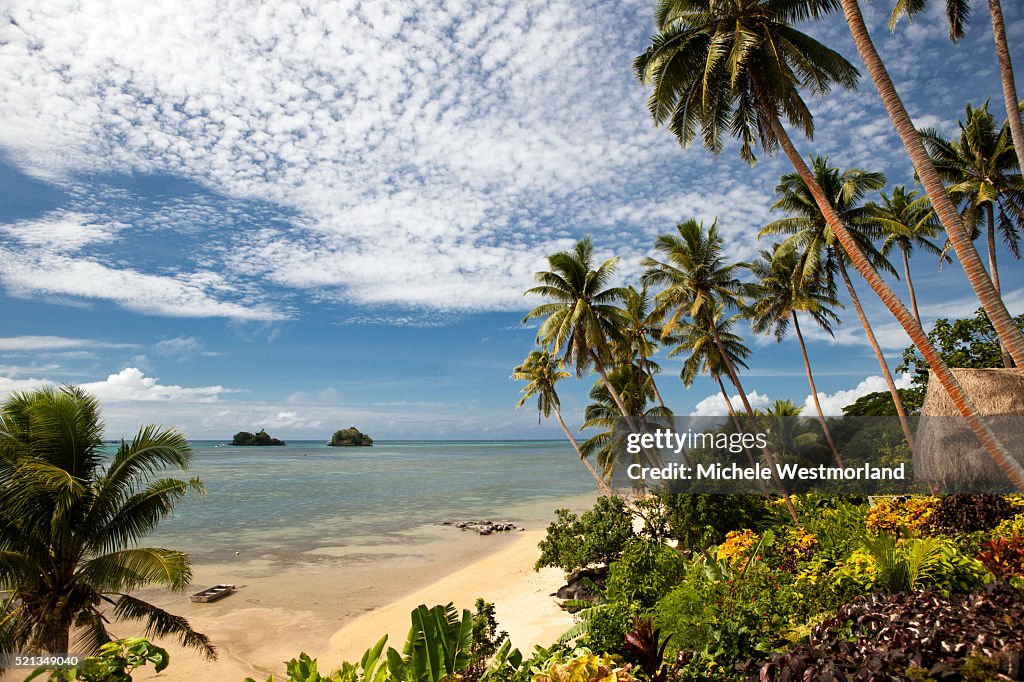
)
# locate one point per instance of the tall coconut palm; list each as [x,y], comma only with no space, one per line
[819,255]
[908,222]
[639,333]
[698,285]
[583,317]
[959,236]
[542,372]
[985,180]
[736,67]
[71,518]
[958,14]
[697,282]
[777,299]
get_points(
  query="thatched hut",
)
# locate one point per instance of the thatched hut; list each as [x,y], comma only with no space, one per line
[946,451]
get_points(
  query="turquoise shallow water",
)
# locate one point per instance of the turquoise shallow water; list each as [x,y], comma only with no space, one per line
[292,498]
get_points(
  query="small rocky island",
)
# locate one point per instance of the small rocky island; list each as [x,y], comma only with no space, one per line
[261,438]
[350,437]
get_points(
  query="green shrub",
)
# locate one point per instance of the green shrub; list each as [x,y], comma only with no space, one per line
[644,573]
[598,536]
[606,626]
[114,663]
[699,521]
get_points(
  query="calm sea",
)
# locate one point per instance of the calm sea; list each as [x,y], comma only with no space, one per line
[276,500]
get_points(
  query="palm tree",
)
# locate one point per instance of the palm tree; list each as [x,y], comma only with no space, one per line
[736,67]
[984,177]
[609,445]
[542,372]
[641,326]
[777,298]
[698,284]
[70,520]
[908,221]
[981,283]
[696,340]
[957,13]
[819,255]
[582,317]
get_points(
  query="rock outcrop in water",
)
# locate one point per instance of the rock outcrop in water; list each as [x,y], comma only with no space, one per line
[261,438]
[482,527]
[350,437]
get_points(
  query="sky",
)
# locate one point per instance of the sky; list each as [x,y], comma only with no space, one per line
[226,216]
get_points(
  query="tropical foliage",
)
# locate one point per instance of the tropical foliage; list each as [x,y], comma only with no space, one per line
[71,518]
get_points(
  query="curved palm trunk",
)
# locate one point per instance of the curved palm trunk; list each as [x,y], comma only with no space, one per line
[993,268]
[996,450]
[962,244]
[736,423]
[750,415]
[601,485]
[814,391]
[910,285]
[882,364]
[1006,72]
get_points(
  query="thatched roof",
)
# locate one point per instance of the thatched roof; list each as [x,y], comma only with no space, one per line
[947,452]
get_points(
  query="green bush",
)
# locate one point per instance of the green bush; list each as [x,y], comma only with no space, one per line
[699,521]
[114,663]
[606,626]
[645,572]
[597,537]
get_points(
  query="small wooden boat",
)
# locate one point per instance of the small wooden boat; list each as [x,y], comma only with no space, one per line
[213,593]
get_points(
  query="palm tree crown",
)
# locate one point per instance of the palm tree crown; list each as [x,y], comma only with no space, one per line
[810,235]
[776,297]
[983,173]
[696,278]
[583,316]
[71,518]
[734,67]
[542,372]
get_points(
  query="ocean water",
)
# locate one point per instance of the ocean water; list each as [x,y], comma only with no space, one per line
[288,499]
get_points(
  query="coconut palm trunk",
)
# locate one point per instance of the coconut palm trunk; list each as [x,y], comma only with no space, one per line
[993,268]
[814,390]
[910,288]
[882,364]
[1009,84]
[734,378]
[601,485]
[958,235]
[1003,459]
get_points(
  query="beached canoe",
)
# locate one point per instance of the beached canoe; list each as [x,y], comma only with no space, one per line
[213,593]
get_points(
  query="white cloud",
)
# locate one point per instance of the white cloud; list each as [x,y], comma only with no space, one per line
[46,343]
[420,154]
[832,404]
[714,404]
[196,294]
[131,385]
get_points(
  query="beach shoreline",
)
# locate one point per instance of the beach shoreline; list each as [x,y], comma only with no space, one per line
[335,602]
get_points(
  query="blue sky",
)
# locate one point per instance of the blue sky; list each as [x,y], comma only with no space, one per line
[225,216]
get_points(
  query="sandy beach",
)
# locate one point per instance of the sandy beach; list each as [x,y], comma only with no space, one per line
[334,602]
